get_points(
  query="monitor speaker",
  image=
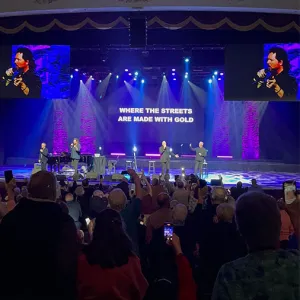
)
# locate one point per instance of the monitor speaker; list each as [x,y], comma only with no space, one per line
[216,182]
[138,32]
[91,175]
[61,177]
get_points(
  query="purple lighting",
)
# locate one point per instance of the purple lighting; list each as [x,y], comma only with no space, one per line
[60,136]
[250,138]
[152,155]
[117,154]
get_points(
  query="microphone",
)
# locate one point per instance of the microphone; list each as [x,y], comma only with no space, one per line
[257,80]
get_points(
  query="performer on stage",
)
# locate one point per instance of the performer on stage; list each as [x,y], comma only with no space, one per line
[75,154]
[43,157]
[201,152]
[165,153]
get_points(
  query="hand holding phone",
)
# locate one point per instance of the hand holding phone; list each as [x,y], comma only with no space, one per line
[8,175]
[168,231]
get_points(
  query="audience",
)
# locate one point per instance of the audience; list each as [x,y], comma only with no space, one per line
[108,242]
[266,272]
[40,246]
[108,267]
[74,209]
[181,194]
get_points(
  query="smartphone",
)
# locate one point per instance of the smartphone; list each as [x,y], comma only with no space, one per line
[127,176]
[87,220]
[8,175]
[101,176]
[289,191]
[168,231]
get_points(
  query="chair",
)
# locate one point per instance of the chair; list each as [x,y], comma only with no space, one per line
[151,167]
[204,169]
[128,164]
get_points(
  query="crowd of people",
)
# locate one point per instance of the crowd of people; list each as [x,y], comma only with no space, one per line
[78,241]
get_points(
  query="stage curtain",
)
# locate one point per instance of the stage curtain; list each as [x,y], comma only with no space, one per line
[154,22]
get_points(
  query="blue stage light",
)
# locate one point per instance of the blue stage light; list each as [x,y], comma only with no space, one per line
[187,60]
[173,70]
[126,70]
[221,74]
[136,73]
[76,70]
[186,76]
[80,80]
[143,81]
[134,78]
[209,80]
[129,74]
[174,79]
[93,78]
[215,72]
[100,80]
[219,78]
[71,76]
[117,76]
[173,74]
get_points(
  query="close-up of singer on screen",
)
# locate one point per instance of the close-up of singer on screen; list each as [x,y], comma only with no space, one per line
[275,80]
[21,80]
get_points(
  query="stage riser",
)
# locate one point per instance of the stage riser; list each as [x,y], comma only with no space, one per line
[213,165]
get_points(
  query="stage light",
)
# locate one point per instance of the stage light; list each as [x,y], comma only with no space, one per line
[173,70]
[84,74]
[215,72]
[80,80]
[219,78]
[100,148]
[100,80]
[185,76]
[134,149]
[182,169]
[129,74]
[171,150]
[174,79]
[209,81]
[136,73]
[126,70]
[173,74]
[117,76]
[221,74]
[134,78]
[76,70]
[93,78]
[110,73]
[71,76]
[142,81]
[187,60]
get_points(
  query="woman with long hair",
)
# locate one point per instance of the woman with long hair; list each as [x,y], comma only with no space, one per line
[108,268]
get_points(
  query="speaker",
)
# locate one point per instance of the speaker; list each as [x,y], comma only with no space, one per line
[138,32]
[117,177]
[61,177]
[91,175]
[216,182]
[107,178]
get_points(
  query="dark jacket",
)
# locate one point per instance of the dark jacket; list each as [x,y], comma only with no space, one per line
[200,153]
[75,154]
[38,251]
[165,154]
[44,156]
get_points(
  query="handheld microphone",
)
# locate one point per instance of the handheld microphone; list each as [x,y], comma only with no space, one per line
[259,81]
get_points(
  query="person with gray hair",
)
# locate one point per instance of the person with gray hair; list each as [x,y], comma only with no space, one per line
[181,194]
[38,236]
[266,272]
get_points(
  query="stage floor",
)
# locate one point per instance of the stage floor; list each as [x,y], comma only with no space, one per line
[230,178]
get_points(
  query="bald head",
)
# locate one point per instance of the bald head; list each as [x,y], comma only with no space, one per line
[179,213]
[43,145]
[69,197]
[201,144]
[117,200]
[42,185]
[218,195]
[258,220]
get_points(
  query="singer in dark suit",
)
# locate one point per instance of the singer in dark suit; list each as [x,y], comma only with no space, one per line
[21,81]
[43,157]
[165,153]
[201,153]
[275,81]
[75,154]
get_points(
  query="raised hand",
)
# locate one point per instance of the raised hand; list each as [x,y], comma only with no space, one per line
[261,73]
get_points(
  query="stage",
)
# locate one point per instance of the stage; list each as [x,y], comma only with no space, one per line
[267,173]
